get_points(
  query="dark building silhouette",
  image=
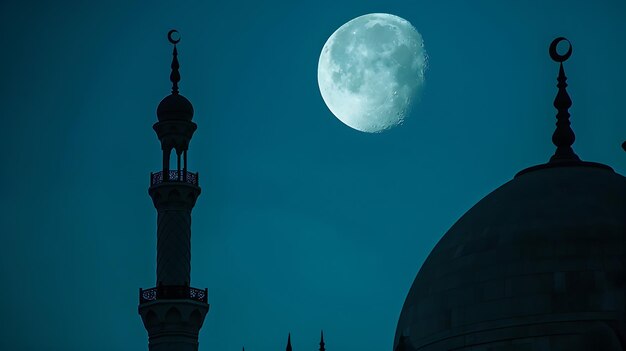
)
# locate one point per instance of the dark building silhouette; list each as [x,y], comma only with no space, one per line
[173,311]
[538,264]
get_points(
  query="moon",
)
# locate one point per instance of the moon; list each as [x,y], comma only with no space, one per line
[371,71]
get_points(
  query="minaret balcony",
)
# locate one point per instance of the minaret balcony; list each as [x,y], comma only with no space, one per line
[174,176]
[175,292]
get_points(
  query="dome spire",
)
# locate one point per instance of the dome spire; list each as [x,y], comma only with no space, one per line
[563,137]
[322,344]
[175,75]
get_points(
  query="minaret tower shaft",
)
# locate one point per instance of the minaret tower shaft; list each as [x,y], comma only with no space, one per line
[173,311]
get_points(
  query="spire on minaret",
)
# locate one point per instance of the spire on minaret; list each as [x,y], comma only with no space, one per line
[289,342]
[563,137]
[322,344]
[175,75]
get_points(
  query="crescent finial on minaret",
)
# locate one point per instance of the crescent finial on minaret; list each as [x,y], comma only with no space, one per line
[175,75]
[563,137]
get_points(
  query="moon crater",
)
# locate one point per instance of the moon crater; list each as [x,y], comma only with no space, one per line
[371,71]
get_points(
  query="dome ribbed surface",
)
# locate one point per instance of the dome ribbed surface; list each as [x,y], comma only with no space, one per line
[175,107]
[538,264]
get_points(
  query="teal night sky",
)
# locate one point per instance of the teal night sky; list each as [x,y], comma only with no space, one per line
[303,223]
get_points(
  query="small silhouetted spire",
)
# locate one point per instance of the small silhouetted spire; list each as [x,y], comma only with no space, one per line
[289,342]
[563,137]
[175,75]
[401,344]
[322,344]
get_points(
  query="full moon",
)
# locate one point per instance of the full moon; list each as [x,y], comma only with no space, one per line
[371,71]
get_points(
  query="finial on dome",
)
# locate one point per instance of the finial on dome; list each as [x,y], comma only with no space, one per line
[563,137]
[322,344]
[175,75]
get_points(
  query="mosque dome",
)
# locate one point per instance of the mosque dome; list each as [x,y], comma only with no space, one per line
[175,107]
[538,264]
[539,261]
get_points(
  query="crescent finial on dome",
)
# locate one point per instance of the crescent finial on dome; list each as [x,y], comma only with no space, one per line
[563,137]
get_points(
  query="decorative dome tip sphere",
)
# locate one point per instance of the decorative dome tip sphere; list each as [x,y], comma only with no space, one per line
[175,107]
[371,71]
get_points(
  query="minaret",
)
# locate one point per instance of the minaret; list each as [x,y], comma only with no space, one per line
[173,312]
[322,344]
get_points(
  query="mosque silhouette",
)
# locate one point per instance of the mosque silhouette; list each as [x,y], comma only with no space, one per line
[538,264]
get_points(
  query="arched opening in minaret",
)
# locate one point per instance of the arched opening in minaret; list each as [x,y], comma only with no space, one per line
[175,164]
[175,169]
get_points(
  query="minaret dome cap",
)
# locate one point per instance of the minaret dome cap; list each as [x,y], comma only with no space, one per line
[174,106]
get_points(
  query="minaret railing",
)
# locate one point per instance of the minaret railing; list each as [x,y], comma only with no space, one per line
[173,292]
[174,176]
